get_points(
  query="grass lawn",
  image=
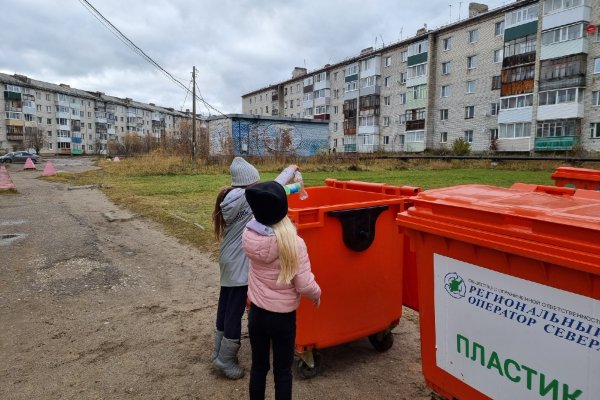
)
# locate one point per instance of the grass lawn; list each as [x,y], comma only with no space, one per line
[180,196]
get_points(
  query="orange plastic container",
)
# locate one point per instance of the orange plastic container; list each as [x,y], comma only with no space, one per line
[509,290]
[579,178]
[353,245]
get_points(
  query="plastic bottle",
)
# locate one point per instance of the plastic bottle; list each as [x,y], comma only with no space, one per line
[301,192]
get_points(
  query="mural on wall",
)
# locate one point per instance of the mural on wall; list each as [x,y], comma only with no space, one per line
[260,137]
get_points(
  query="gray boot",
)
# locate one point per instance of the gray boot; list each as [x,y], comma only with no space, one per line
[218,338]
[226,360]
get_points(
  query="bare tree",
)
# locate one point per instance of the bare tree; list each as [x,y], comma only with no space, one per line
[34,138]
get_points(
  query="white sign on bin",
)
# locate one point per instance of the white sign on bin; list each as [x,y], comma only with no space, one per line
[511,338]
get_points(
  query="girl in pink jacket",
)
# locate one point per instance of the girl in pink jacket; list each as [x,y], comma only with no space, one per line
[279,273]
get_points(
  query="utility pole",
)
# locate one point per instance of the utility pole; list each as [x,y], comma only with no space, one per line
[194,113]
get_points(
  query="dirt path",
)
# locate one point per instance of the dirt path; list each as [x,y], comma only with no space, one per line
[93,309]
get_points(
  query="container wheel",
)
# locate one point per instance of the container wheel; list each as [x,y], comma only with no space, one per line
[382,341]
[307,372]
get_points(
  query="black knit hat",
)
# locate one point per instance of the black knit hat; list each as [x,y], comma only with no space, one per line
[268,202]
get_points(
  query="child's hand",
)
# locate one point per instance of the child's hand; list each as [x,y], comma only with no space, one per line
[317,302]
[294,167]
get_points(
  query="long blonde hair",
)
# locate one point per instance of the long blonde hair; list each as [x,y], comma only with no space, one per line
[285,232]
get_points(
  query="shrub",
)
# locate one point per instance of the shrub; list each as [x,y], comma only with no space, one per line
[460,147]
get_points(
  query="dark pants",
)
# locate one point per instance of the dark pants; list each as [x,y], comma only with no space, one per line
[266,329]
[232,303]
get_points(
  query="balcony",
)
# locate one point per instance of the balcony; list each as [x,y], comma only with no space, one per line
[76,151]
[15,137]
[350,148]
[274,112]
[307,89]
[514,88]
[322,117]
[555,143]
[563,82]
[415,125]
[8,107]
[75,126]
[519,59]
[10,95]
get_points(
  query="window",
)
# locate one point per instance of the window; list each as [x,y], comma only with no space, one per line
[49,133]
[267,109]
[47,96]
[49,146]
[447,43]
[386,140]
[351,70]
[350,86]
[556,5]
[471,62]
[39,120]
[560,96]
[401,119]
[471,86]
[443,137]
[515,130]
[388,61]
[595,130]
[419,92]
[335,126]
[387,81]
[402,98]
[335,109]
[446,67]
[415,137]
[469,136]
[563,34]
[417,70]
[495,107]
[596,98]
[496,82]
[498,55]
[473,35]
[418,47]
[597,65]
[49,109]
[493,133]
[522,45]
[402,79]
[469,112]
[386,100]
[368,140]
[499,28]
[445,91]
[444,114]
[520,101]
[522,15]
[335,142]
[335,75]
[386,121]
[48,121]
[403,56]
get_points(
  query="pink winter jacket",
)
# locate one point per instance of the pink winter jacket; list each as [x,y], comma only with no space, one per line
[263,289]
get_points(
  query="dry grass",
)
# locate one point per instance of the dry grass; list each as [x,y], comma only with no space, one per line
[179,194]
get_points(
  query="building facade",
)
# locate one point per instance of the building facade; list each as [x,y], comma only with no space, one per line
[520,78]
[74,121]
[247,135]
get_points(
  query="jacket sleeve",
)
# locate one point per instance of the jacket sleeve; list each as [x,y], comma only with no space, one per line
[304,281]
[285,176]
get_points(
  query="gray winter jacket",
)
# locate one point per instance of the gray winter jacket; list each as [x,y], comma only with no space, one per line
[237,213]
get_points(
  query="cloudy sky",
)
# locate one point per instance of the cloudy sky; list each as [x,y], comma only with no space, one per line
[237,46]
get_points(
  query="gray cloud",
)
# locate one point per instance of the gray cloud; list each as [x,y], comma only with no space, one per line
[237,45]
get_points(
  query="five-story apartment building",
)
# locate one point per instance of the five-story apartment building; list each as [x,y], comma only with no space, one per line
[519,78]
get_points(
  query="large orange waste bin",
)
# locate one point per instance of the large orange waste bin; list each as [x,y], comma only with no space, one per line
[352,240]
[509,290]
[579,178]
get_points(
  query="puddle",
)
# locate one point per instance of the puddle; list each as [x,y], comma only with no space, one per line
[8,238]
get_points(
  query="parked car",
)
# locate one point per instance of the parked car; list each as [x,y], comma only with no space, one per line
[19,157]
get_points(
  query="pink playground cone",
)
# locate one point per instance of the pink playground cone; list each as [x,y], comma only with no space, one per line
[5,182]
[116,159]
[29,164]
[49,169]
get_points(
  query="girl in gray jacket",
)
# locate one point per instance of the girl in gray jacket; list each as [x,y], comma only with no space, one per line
[230,216]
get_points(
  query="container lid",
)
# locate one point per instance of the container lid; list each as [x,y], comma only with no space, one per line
[560,218]
[577,173]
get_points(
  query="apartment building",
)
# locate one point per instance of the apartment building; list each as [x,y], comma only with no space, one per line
[75,121]
[519,78]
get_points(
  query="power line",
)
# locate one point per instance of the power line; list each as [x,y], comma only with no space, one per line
[186,94]
[132,46]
